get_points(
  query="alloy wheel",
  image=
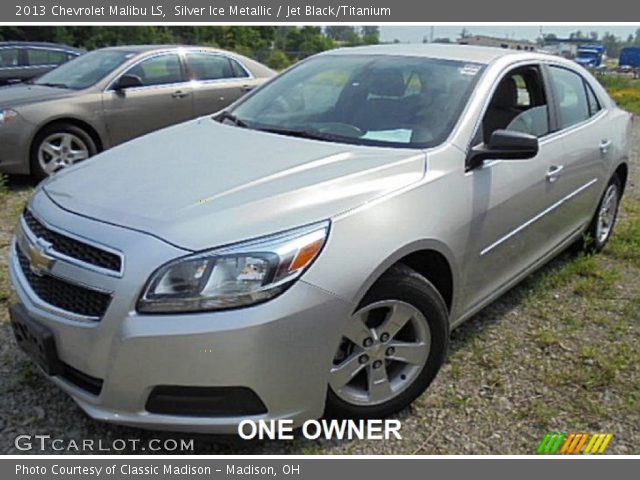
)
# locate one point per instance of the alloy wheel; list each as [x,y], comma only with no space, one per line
[607,213]
[383,350]
[60,150]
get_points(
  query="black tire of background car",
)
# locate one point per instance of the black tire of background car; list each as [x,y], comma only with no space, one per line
[405,284]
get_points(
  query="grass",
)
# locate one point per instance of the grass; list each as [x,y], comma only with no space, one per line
[624,90]
[3,184]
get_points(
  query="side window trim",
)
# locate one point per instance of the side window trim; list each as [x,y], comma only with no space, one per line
[588,90]
[552,98]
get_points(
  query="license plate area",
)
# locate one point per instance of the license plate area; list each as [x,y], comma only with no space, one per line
[36,340]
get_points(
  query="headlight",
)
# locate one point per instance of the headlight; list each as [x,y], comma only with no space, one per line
[235,276]
[7,115]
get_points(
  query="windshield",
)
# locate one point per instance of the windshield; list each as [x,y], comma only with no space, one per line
[364,99]
[86,70]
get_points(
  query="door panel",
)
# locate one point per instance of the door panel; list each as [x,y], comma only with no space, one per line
[509,230]
[584,137]
[163,100]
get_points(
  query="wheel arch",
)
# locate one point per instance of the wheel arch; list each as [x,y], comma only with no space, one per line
[431,259]
[622,172]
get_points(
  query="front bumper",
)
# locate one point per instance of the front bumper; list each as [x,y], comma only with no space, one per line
[281,350]
[15,141]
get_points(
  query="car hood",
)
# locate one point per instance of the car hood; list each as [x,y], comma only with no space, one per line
[202,184]
[12,96]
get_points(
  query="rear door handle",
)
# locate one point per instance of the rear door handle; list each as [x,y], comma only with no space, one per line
[554,172]
[247,88]
[179,94]
[604,146]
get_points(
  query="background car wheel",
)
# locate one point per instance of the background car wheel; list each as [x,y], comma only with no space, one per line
[391,349]
[59,146]
[601,227]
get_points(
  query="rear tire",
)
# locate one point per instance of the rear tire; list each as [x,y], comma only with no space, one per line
[604,220]
[58,146]
[398,335]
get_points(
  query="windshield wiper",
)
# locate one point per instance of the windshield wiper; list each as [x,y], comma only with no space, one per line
[226,115]
[299,132]
[54,85]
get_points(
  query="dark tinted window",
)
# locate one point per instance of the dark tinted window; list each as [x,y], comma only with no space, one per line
[206,66]
[38,56]
[571,96]
[160,70]
[8,57]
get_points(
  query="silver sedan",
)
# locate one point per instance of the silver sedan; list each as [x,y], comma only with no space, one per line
[310,249]
[109,96]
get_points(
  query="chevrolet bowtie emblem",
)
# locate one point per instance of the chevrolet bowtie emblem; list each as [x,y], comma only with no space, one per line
[39,261]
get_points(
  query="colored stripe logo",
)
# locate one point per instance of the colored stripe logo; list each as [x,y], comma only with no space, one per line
[574,443]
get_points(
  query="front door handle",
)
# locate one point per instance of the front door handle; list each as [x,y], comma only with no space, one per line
[179,94]
[604,146]
[554,172]
[247,88]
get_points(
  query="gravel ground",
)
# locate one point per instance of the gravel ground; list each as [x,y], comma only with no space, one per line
[557,353]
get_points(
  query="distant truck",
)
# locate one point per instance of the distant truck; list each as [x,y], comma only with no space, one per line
[630,60]
[590,56]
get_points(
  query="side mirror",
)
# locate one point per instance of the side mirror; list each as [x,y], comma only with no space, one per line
[504,145]
[127,81]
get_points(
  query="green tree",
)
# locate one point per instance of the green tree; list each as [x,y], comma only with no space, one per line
[278,60]
[370,35]
[612,44]
[340,33]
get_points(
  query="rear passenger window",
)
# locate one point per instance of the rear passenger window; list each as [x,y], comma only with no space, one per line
[571,97]
[205,66]
[8,57]
[38,56]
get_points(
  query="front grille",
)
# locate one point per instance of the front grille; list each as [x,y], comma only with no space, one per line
[73,248]
[63,295]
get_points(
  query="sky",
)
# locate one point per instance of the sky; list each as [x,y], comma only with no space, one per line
[413,34]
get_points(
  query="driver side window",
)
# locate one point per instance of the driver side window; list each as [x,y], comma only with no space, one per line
[519,103]
[160,70]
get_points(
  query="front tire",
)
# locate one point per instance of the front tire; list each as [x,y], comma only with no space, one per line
[59,146]
[391,349]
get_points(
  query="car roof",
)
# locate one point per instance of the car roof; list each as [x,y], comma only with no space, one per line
[139,49]
[465,53]
[60,46]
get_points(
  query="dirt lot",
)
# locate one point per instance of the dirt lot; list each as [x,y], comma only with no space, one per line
[560,352]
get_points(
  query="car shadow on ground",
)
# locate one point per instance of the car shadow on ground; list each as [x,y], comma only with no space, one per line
[19,183]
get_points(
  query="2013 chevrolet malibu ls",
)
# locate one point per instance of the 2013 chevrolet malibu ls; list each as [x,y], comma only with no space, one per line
[309,249]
